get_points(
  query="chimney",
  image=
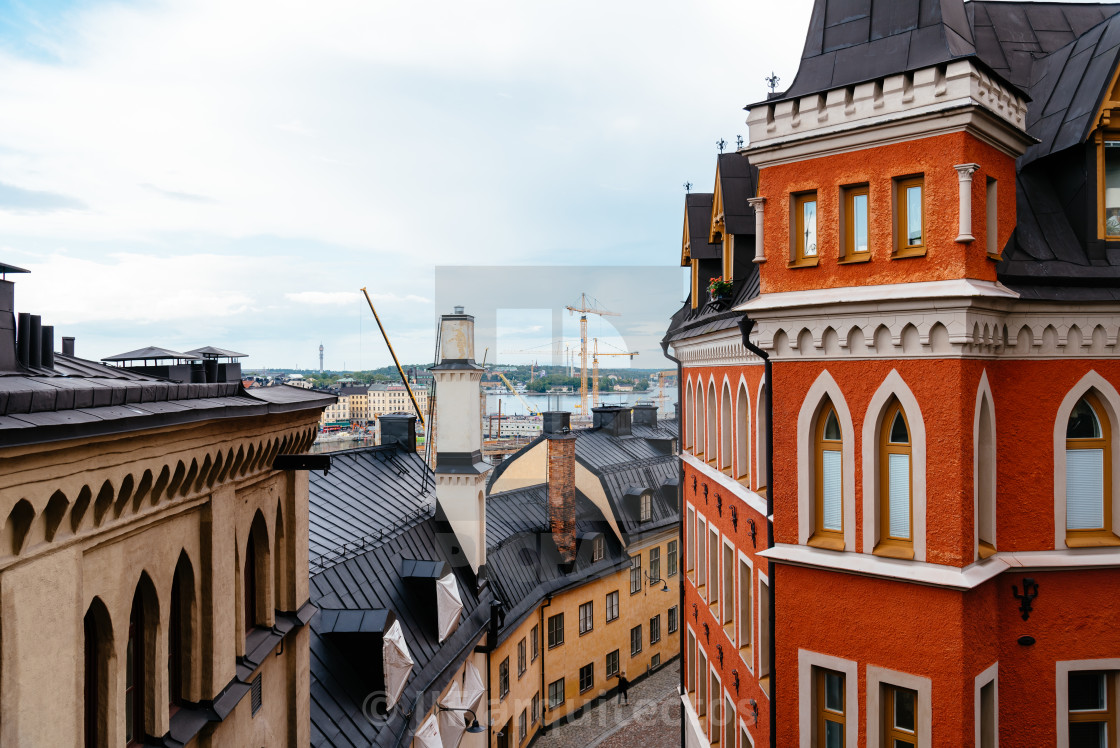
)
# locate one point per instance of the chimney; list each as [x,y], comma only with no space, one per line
[67,346]
[7,326]
[399,429]
[562,494]
[35,355]
[48,347]
[645,414]
[556,422]
[613,419]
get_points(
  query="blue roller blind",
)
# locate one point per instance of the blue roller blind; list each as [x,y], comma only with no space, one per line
[1084,489]
[898,467]
[833,504]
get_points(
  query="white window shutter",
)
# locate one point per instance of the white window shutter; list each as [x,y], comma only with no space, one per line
[833,518]
[1084,489]
[898,467]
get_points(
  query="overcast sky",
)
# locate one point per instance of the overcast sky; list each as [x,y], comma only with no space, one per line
[231,172]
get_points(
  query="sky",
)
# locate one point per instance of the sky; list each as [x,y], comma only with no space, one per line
[230,173]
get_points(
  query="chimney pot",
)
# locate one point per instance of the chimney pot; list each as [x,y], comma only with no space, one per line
[645,414]
[35,344]
[67,346]
[458,310]
[556,422]
[48,346]
[23,339]
[398,429]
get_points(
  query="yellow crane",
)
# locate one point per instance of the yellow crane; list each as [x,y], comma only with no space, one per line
[584,309]
[532,411]
[595,370]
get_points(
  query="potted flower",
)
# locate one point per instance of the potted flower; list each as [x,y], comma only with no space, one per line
[719,289]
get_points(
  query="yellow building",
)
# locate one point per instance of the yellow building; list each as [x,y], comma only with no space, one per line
[153,559]
[362,406]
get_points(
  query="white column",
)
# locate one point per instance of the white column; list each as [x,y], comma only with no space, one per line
[759,249]
[964,173]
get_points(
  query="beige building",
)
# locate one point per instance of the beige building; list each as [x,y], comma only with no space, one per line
[361,406]
[153,562]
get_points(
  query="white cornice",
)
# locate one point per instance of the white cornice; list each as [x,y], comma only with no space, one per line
[877,294]
[734,487]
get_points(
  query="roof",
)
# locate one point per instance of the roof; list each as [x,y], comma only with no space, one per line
[712,317]
[737,180]
[698,217]
[5,268]
[152,353]
[210,351]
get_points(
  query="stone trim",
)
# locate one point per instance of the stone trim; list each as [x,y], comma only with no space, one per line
[825,386]
[983,392]
[990,675]
[722,348]
[964,176]
[876,677]
[1061,691]
[806,712]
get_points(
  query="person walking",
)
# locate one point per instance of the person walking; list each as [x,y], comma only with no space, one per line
[623,686]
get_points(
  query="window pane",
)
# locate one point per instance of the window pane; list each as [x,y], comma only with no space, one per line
[914,215]
[830,487]
[832,427]
[904,709]
[898,430]
[1086,691]
[859,223]
[1112,188]
[833,735]
[810,218]
[1088,735]
[834,692]
[899,501]
[903,743]
[1083,422]
[1084,489]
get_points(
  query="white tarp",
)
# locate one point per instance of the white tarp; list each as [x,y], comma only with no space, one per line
[473,689]
[398,663]
[452,724]
[428,734]
[448,605]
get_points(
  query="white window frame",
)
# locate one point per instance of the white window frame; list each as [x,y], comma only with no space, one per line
[1064,668]
[763,581]
[713,673]
[702,570]
[824,386]
[728,600]
[690,544]
[760,477]
[990,675]
[744,731]
[806,714]
[923,712]
[744,558]
[741,452]
[713,532]
[984,392]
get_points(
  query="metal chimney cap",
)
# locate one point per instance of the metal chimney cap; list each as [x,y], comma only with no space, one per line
[458,309]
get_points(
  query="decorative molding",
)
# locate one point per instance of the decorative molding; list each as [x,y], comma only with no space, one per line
[964,177]
[734,487]
[759,205]
[722,348]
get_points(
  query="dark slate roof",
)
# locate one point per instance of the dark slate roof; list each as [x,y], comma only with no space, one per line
[854,41]
[698,209]
[738,180]
[80,398]
[152,353]
[210,351]
[353,390]
[710,317]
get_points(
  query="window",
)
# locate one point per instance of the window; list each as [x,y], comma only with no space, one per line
[764,631]
[987,724]
[176,641]
[521,658]
[135,686]
[728,722]
[249,589]
[555,630]
[713,567]
[910,239]
[728,593]
[900,716]
[672,619]
[655,662]
[97,648]
[985,480]
[586,677]
[612,664]
[522,726]
[828,481]
[690,674]
[742,435]
[586,618]
[896,538]
[646,511]
[690,544]
[598,548]
[671,559]
[1109,213]
[536,708]
[635,640]
[612,606]
[715,708]
[555,693]
[654,565]
[992,223]
[535,642]
[1088,474]
[503,679]
[1092,709]
[828,698]
[805,229]
[636,574]
[655,629]
[855,224]
[701,552]
[745,585]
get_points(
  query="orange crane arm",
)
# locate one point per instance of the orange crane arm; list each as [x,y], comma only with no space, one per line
[392,353]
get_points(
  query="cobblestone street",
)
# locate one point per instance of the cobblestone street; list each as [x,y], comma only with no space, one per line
[651,719]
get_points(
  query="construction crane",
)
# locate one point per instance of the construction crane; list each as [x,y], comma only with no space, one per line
[532,411]
[661,397]
[595,370]
[407,386]
[584,310]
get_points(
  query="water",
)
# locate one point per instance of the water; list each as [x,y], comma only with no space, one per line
[512,406]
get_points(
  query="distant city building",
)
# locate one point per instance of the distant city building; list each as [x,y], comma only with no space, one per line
[360,406]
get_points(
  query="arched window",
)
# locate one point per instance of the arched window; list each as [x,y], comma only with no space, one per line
[725,430]
[250,584]
[985,467]
[698,409]
[143,622]
[98,645]
[689,414]
[896,527]
[255,576]
[762,434]
[180,631]
[1088,472]
[742,434]
[828,480]
[711,451]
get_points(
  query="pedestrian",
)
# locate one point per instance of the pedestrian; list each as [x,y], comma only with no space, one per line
[623,685]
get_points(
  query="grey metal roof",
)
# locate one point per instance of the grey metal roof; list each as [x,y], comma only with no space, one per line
[5,268]
[152,353]
[698,208]
[210,351]
[738,180]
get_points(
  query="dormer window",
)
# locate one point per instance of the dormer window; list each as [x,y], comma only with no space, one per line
[1109,165]
[598,549]
[646,507]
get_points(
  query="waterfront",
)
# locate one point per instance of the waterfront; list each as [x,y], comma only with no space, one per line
[512,405]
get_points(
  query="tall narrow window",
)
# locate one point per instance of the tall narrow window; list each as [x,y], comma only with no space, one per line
[135,686]
[805,229]
[98,646]
[702,552]
[745,585]
[729,723]
[831,714]
[671,559]
[636,574]
[702,683]
[1109,213]
[895,524]
[764,634]
[985,482]
[742,435]
[900,716]
[725,429]
[910,239]
[856,246]
[828,477]
[988,715]
[713,567]
[175,647]
[716,704]
[689,415]
[1088,474]
[1092,710]
[250,584]
[728,594]
[654,565]
[555,630]
[711,451]
[690,544]
[991,225]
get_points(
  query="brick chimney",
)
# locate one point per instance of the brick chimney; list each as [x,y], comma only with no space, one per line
[562,494]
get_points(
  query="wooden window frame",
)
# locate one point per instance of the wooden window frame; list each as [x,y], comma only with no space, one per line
[655,564]
[591,678]
[1103,536]
[636,629]
[891,734]
[563,694]
[589,606]
[822,538]
[798,258]
[888,546]
[559,629]
[503,679]
[535,643]
[1101,137]
[521,658]
[672,620]
[609,608]
[823,715]
[902,248]
[655,629]
[672,562]
[1106,715]
[636,574]
[745,626]
[848,194]
[612,672]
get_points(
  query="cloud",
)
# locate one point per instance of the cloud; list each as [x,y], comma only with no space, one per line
[19,200]
[184,196]
[325,298]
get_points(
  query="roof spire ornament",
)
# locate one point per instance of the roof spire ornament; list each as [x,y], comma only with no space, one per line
[773,81]
[687,187]
[738,142]
[721,144]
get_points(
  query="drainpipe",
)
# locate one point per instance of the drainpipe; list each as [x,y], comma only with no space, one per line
[747,324]
[680,510]
[541,638]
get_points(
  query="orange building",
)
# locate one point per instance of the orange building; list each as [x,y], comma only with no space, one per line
[919,343]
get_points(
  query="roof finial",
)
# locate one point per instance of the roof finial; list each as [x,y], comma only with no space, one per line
[687,186]
[721,144]
[738,142]
[773,81]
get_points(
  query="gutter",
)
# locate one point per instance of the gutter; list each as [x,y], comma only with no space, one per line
[746,325]
[680,512]
[541,639]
